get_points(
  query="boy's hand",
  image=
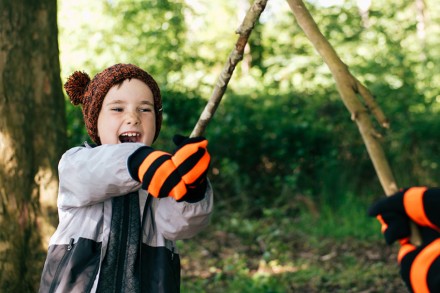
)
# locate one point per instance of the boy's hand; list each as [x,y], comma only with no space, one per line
[419,266]
[391,214]
[418,204]
[179,175]
[192,158]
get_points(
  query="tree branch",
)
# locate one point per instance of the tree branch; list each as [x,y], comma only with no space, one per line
[235,56]
[348,87]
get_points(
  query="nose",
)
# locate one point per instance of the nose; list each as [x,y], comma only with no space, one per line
[132,118]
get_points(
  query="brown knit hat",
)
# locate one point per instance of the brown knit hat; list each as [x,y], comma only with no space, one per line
[90,93]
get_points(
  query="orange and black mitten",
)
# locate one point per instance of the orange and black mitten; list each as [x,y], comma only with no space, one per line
[181,175]
[419,265]
[192,158]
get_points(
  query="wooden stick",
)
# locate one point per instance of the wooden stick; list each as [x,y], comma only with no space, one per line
[349,87]
[235,56]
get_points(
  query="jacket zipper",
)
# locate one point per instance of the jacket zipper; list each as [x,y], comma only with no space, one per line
[55,281]
[144,215]
[123,248]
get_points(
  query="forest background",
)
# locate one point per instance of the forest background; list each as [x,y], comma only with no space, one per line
[291,174]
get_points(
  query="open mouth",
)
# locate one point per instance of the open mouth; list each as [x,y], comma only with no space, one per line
[129,137]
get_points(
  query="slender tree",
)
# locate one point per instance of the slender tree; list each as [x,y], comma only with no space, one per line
[357,99]
[32,137]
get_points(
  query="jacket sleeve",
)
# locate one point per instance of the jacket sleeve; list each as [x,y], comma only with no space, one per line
[183,220]
[91,175]
[420,266]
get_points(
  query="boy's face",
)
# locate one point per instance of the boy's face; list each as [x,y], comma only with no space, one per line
[127,114]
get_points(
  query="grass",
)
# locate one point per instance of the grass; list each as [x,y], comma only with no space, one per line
[337,249]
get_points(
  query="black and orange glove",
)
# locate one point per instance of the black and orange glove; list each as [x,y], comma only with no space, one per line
[192,158]
[419,266]
[418,204]
[175,175]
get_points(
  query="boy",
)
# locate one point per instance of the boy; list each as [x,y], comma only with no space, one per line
[419,265]
[122,204]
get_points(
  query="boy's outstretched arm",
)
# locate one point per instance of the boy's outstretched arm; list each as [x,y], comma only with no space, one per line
[183,220]
[90,175]
[419,266]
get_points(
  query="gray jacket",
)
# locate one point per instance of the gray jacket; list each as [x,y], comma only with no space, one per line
[89,179]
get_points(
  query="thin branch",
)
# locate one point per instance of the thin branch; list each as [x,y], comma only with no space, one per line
[372,105]
[235,56]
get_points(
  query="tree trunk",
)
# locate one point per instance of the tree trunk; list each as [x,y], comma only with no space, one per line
[32,138]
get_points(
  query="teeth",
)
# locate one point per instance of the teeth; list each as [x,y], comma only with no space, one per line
[130,134]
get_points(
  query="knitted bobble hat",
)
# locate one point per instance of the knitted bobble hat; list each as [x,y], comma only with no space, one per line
[91,93]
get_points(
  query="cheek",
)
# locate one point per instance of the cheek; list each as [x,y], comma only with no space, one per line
[99,126]
[102,124]
[150,128]
[106,126]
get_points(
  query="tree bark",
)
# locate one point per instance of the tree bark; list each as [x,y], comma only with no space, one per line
[32,138]
[351,90]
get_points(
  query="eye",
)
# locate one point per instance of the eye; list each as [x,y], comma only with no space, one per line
[117,109]
[145,110]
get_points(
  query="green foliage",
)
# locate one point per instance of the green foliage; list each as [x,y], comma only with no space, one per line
[287,161]
[283,251]
[281,130]
[345,219]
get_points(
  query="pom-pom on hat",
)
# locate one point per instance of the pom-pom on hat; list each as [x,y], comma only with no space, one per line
[91,93]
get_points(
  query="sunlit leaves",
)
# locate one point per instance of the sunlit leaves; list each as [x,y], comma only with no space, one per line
[185,44]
